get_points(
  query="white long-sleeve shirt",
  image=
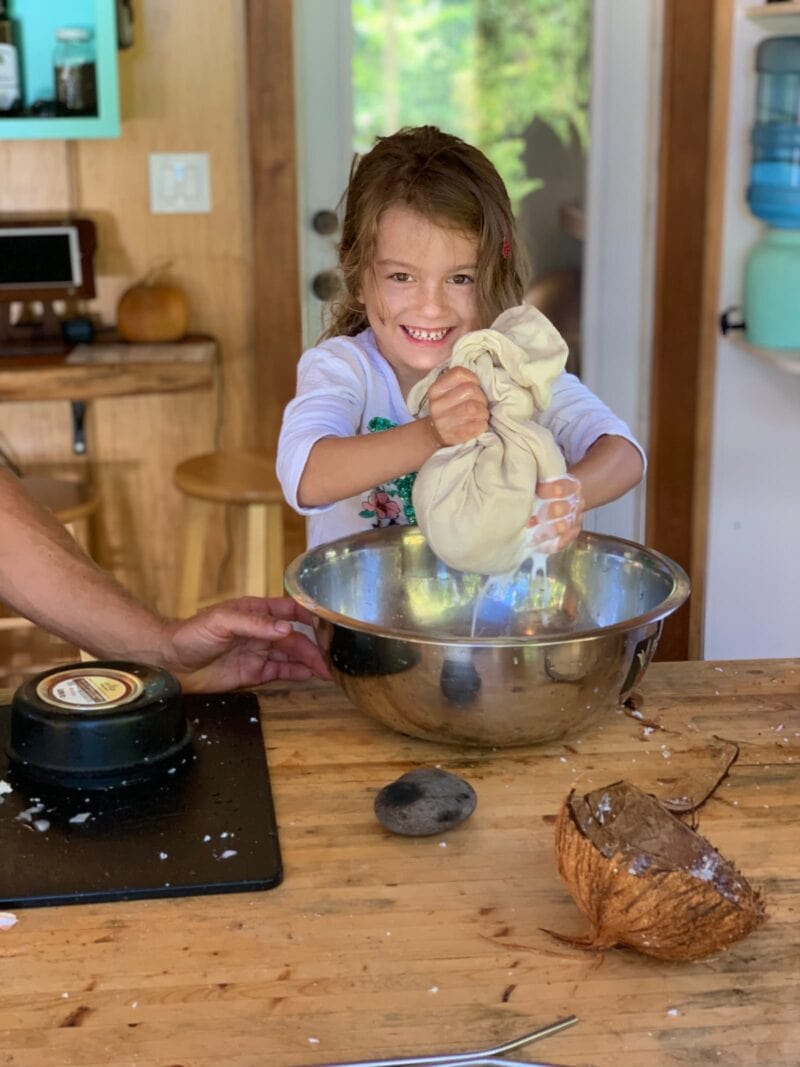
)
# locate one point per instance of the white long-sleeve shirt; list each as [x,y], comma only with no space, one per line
[346,388]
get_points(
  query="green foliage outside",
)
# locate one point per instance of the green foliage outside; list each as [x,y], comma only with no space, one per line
[481,69]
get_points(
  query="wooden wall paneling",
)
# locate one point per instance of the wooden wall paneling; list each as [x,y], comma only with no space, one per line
[680,264]
[34,177]
[36,432]
[276,266]
[278,334]
[715,199]
[183,91]
[139,441]
[184,86]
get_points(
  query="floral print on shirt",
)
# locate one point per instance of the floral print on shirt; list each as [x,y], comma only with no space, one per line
[389,504]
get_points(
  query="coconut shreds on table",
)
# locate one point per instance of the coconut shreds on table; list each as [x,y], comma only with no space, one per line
[646,880]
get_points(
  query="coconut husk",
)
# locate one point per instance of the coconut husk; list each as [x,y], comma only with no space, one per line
[645,879]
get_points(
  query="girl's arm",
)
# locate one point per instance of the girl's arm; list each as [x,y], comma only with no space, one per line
[601,456]
[340,467]
[610,468]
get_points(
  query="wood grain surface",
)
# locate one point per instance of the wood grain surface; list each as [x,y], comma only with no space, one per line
[378,946]
[142,369]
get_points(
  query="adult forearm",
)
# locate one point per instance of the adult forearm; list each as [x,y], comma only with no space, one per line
[46,577]
[340,467]
[610,468]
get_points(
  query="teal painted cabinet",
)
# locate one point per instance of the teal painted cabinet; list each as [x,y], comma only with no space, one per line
[35,24]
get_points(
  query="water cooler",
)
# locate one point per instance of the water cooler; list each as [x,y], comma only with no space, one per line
[772,270]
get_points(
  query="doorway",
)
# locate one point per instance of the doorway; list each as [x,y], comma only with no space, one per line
[615,230]
[511,78]
[629,121]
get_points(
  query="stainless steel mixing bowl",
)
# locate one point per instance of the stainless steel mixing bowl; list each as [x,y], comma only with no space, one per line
[552,653]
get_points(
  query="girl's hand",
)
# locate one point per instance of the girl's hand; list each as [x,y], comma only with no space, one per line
[559,512]
[458,407]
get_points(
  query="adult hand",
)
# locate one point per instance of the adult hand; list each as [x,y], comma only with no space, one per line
[458,407]
[239,644]
[558,518]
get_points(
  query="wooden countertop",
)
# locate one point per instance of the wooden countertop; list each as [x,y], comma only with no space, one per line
[110,368]
[379,946]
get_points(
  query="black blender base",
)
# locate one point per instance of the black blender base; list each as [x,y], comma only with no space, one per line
[207,825]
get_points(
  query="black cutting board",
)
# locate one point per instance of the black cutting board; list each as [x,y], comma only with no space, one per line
[207,825]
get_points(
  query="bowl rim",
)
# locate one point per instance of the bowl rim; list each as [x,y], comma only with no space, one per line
[681,588]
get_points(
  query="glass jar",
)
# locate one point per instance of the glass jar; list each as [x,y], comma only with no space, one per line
[75,72]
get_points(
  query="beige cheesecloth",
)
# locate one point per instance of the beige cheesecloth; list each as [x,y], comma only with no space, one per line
[473,501]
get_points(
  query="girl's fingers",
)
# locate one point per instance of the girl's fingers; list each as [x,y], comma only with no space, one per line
[548,510]
[460,401]
[461,413]
[452,379]
[566,485]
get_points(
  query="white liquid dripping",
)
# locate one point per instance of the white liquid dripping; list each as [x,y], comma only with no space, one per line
[503,588]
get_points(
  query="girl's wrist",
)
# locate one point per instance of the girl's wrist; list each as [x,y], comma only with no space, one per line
[433,433]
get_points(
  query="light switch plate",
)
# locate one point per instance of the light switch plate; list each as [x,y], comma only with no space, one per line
[180,182]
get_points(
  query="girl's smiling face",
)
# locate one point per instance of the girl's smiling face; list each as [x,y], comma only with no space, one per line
[419,294]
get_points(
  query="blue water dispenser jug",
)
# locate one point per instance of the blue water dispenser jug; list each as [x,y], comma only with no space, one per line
[772,271]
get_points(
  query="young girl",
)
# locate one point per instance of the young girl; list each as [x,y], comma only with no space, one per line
[429,252]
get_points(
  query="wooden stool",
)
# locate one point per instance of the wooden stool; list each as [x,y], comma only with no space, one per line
[243,479]
[71,502]
[68,500]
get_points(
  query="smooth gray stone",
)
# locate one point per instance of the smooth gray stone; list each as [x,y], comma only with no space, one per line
[424,801]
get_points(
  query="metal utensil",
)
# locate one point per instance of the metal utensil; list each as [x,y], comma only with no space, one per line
[489,1057]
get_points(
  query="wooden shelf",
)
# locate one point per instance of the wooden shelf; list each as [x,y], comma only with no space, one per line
[115,369]
[790,361]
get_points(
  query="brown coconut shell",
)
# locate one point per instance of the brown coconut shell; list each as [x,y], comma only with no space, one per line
[645,879]
[688,792]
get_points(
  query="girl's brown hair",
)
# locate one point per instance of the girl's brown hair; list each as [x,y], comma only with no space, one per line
[450,183]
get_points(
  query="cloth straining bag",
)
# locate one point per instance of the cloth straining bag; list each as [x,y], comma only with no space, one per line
[473,501]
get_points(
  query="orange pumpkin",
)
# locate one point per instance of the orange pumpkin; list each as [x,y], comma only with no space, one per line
[152,310]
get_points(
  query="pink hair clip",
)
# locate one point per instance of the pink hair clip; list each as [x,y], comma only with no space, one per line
[505,248]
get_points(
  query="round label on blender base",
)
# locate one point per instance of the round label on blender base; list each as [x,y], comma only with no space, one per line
[89,688]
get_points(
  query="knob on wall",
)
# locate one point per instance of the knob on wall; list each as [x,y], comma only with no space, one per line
[326,284]
[325,222]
